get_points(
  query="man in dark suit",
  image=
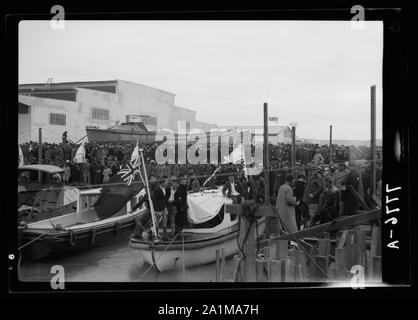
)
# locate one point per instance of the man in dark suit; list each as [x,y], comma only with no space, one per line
[180,198]
[159,201]
[232,189]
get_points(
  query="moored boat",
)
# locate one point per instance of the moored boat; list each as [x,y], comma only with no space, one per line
[196,245]
[77,230]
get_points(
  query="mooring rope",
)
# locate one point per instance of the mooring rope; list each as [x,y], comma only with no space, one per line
[152,265]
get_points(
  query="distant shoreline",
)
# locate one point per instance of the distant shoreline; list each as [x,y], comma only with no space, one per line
[343,142]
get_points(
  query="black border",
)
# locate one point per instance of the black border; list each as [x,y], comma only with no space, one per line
[396,264]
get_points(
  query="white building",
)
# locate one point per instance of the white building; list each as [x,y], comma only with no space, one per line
[72,106]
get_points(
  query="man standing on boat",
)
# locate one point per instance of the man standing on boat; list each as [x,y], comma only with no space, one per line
[182,206]
[160,206]
[232,189]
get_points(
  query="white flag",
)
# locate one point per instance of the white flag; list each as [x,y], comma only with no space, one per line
[21,159]
[135,154]
[236,156]
[80,156]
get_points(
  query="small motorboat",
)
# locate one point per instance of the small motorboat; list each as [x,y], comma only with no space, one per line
[80,229]
[42,194]
[211,228]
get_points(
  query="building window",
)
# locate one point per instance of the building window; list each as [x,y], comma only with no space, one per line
[100,114]
[58,119]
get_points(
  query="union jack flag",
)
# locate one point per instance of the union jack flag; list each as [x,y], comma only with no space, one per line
[129,172]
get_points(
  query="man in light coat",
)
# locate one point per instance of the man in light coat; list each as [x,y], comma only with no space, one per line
[286,203]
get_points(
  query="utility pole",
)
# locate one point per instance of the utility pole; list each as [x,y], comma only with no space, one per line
[373,141]
[330,144]
[40,152]
[293,148]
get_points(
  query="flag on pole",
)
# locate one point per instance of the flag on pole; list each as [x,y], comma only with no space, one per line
[80,156]
[121,188]
[135,153]
[21,158]
[236,155]
[274,119]
[212,175]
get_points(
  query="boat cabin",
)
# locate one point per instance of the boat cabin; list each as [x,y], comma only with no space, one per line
[40,174]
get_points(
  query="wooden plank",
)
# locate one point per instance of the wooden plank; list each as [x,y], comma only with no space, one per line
[249,268]
[361,247]
[376,244]
[368,272]
[342,223]
[349,249]
[236,261]
[301,259]
[318,275]
[340,264]
[217,268]
[268,253]
[331,271]
[292,269]
[358,197]
[377,268]
[261,272]
[273,252]
[276,271]
[299,276]
[282,249]
[286,270]
[222,266]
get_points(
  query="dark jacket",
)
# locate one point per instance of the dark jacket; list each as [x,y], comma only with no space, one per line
[227,189]
[299,189]
[159,199]
[256,189]
[314,186]
[351,204]
[329,206]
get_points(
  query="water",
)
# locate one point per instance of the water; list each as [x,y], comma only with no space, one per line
[115,261]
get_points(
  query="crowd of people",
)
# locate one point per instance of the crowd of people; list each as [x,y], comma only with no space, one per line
[105,160]
[312,191]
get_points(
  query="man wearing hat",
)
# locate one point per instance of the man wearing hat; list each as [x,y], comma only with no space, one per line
[257,185]
[339,177]
[328,202]
[313,189]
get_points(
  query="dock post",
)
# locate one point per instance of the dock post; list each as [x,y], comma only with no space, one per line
[221,275]
[246,239]
[217,278]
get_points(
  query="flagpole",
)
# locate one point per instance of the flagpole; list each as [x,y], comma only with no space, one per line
[151,205]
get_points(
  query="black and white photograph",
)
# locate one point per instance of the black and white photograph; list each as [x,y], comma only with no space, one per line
[211,151]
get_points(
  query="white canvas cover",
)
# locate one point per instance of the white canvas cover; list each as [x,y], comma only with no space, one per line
[205,205]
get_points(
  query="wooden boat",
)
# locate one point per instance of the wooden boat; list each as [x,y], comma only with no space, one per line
[74,231]
[42,194]
[129,132]
[193,246]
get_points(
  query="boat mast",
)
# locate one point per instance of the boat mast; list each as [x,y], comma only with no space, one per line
[151,205]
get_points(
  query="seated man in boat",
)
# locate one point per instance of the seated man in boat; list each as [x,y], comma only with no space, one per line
[232,189]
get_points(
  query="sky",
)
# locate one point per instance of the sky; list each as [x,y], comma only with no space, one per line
[314,73]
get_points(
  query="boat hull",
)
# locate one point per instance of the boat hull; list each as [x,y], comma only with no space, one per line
[60,242]
[166,256]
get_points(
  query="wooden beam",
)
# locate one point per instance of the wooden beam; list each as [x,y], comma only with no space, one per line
[342,223]
[358,197]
